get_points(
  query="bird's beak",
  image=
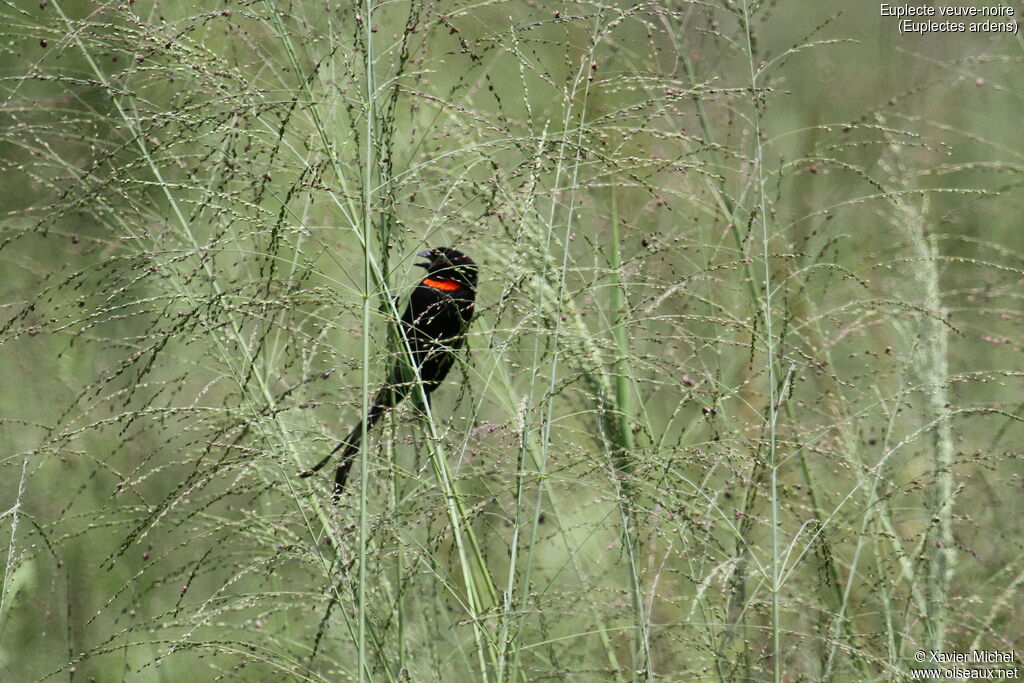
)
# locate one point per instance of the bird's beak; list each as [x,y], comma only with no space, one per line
[429,255]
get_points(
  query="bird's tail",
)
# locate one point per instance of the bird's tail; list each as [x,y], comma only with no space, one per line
[349,446]
[348,455]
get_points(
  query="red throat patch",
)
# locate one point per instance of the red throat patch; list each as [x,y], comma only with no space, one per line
[443,285]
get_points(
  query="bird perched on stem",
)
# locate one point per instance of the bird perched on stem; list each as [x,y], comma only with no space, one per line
[433,327]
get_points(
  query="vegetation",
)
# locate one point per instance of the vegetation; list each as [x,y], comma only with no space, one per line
[742,400]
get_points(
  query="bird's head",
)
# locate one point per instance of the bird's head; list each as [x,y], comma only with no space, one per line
[447,265]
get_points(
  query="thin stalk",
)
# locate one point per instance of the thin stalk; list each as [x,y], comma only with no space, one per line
[770,352]
[510,581]
[370,116]
[621,337]
[623,453]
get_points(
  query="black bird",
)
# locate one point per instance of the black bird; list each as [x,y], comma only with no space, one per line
[434,325]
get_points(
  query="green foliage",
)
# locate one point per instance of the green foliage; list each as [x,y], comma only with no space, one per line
[742,401]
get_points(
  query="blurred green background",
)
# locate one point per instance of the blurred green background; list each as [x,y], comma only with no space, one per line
[742,400]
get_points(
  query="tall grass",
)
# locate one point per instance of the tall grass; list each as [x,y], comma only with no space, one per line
[741,401]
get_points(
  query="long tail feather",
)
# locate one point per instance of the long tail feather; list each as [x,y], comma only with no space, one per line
[381,403]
